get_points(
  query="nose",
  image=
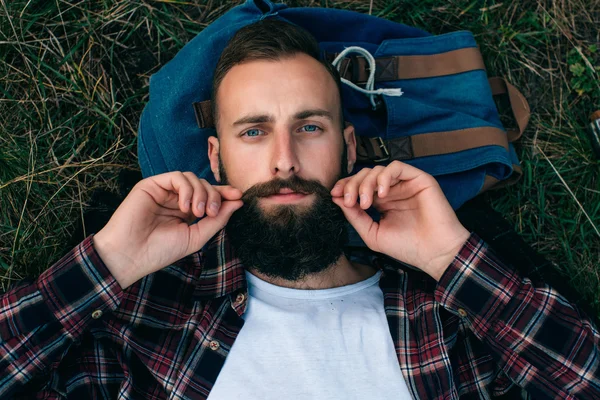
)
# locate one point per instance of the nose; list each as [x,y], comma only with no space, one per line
[284,162]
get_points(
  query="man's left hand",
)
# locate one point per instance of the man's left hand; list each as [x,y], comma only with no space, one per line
[417,226]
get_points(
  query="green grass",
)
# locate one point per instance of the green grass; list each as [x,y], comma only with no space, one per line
[74,80]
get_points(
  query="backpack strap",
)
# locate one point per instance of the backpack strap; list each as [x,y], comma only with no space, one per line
[356,68]
[518,105]
[203,112]
[377,150]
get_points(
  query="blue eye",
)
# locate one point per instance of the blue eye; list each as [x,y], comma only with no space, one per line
[310,128]
[252,132]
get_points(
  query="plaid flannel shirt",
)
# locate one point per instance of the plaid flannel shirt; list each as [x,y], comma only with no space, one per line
[482,331]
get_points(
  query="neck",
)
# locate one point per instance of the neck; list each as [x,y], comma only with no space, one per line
[342,273]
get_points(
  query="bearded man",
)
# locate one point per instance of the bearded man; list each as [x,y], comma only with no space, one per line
[259,300]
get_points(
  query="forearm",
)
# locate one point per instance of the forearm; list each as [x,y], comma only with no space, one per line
[545,344]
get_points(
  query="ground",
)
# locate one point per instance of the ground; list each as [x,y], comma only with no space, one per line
[74,80]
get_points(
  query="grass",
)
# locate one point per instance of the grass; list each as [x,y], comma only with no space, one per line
[74,80]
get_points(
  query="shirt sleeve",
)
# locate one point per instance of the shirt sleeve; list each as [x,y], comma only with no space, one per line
[40,320]
[544,343]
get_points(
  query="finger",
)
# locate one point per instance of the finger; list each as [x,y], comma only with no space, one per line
[205,229]
[174,182]
[213,201]
[228,192]
[338,188]
[400,171]
[400,175]
[384,181]
[406,189]
[184,190]
[199,195]
[367,187]
[173,212]
[415,179]
[351,187]
[361,221]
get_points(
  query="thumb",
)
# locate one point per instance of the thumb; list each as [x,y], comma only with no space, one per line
[207,227]
[360,220]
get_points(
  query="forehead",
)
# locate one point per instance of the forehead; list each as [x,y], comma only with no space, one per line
[280,88]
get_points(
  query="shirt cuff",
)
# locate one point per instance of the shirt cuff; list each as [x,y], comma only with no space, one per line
[79,289]
[477,286]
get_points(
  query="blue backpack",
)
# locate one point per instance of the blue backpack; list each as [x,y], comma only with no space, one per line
[425,100]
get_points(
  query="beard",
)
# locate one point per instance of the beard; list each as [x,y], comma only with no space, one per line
[287,241]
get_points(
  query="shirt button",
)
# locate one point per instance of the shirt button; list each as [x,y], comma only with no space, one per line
[462,312]
[239,299]
[214,345]
[96,314]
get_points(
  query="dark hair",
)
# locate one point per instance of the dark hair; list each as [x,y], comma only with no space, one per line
[268,39]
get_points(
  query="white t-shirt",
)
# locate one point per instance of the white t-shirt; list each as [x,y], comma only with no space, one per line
[312,344]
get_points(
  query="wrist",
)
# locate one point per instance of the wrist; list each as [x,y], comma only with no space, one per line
[112,258]
[440,263]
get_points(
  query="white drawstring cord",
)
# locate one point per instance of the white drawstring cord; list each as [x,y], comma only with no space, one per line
[370,85]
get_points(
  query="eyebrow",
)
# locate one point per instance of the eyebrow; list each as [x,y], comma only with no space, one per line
[254,119]
[258,119]
[317,112]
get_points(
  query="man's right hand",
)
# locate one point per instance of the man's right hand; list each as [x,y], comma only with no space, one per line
[151,230]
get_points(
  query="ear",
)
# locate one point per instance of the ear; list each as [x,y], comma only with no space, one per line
[350,140]
[213,156]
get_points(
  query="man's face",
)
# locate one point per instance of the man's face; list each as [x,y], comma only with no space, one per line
[279,119]
[281,143]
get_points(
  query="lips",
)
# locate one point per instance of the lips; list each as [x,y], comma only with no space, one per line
[286,195]
[286,191]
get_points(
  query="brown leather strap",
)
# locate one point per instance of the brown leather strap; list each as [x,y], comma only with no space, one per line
[518,105]
[203,111]
[458,140]
[356,68]
[376,150]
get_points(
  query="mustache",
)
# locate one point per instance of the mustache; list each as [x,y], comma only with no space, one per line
[294,183]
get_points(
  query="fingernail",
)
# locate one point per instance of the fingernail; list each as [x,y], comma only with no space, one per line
[363,198]
[201,206]
[214,206]
[380,189]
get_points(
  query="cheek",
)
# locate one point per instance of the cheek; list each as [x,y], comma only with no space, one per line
[245,168]
[323,163]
